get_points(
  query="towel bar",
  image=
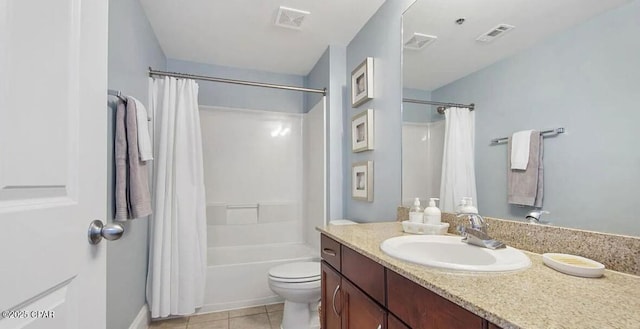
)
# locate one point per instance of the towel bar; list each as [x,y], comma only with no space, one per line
[544,133]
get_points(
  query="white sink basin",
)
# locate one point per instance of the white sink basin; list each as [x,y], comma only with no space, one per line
[449,252]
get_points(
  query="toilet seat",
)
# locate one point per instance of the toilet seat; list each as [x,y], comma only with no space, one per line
[298,272]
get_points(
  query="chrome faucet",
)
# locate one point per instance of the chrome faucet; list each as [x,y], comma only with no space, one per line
[535,216]
[476,234]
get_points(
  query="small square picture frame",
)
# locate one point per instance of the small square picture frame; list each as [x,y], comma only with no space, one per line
[362,181]
[362,83]
[362,131]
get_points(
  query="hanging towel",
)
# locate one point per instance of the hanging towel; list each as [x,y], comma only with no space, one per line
[132,187]
[520,149]
[142,124]
[120,158]
[526,187]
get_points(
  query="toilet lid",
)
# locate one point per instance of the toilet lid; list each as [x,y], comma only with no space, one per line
[296,272]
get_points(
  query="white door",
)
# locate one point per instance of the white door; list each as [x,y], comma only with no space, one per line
[53,105]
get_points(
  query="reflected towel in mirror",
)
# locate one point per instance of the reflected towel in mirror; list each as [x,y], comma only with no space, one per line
[526,187]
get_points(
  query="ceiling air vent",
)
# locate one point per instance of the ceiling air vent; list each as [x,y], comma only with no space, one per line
[291,18]
[495,32]
[419,41]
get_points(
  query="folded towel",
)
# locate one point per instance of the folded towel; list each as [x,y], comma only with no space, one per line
[120,158]
[520,149]
[133,199]
[144,140]
[526,187]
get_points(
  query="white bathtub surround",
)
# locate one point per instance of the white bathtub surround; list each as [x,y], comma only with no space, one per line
[237,275]
[458,170]
[315,173]
[178,240]
[264,176]
[422,149]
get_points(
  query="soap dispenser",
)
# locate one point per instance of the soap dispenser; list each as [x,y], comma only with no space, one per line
[467,206]
[432,214]
[415,213]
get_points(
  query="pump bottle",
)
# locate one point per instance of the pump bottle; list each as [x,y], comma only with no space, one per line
[415,213]
[432,214]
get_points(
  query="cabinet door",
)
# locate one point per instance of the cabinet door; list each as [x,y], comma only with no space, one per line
[394,323]
[359,311]
[421,308]
[330,289]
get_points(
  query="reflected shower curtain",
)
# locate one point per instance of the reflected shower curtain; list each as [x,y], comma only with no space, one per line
[177,230]
[458,169]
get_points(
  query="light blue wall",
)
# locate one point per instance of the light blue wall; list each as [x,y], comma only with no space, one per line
[587,80]
[412,112]
[338,106]
[230,95]
[132,49]
[328,73]
[317,78]
[380,38]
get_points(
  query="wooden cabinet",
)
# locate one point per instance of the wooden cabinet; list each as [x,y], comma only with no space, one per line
[331,251]
[358,293]
[421,308]
[364,273]
[359,311]
[330,316]
[395,323]
[344,304]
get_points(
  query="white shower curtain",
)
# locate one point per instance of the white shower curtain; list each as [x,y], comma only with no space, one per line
[177,238]
[458,170]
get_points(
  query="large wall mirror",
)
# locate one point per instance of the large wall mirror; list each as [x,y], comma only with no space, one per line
[539,65]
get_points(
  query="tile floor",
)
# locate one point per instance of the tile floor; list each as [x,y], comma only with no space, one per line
[259,317]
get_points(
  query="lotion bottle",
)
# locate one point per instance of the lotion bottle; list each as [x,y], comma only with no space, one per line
[467,206]
[415,213]
[432,214]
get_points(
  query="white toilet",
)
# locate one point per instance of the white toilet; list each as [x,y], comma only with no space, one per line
[299,284]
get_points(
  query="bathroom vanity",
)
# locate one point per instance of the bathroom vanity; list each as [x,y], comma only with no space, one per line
[360,293]
[364,288]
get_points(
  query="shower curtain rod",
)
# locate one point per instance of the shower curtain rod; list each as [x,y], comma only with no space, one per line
[153,72]
[442,107]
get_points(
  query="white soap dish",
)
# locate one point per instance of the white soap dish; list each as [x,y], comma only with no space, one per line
[422,228]
[573,265]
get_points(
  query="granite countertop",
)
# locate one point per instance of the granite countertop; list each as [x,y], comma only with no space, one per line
[536,298]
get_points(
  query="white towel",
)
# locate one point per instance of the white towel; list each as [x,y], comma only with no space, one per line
[520,149]
[144,140]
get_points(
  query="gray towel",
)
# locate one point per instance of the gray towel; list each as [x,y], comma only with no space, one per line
[133,199]
[526,187]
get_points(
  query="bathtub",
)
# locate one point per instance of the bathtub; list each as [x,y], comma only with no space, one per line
[237,276]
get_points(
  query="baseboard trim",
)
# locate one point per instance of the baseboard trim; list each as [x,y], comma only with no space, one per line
[239,304]
[142,319]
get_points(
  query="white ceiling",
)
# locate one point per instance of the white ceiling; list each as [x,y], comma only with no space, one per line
[456,54]
[241,33]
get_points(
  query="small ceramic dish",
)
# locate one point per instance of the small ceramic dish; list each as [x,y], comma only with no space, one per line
[573,265]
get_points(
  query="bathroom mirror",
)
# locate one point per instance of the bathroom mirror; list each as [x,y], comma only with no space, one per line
[539,65]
